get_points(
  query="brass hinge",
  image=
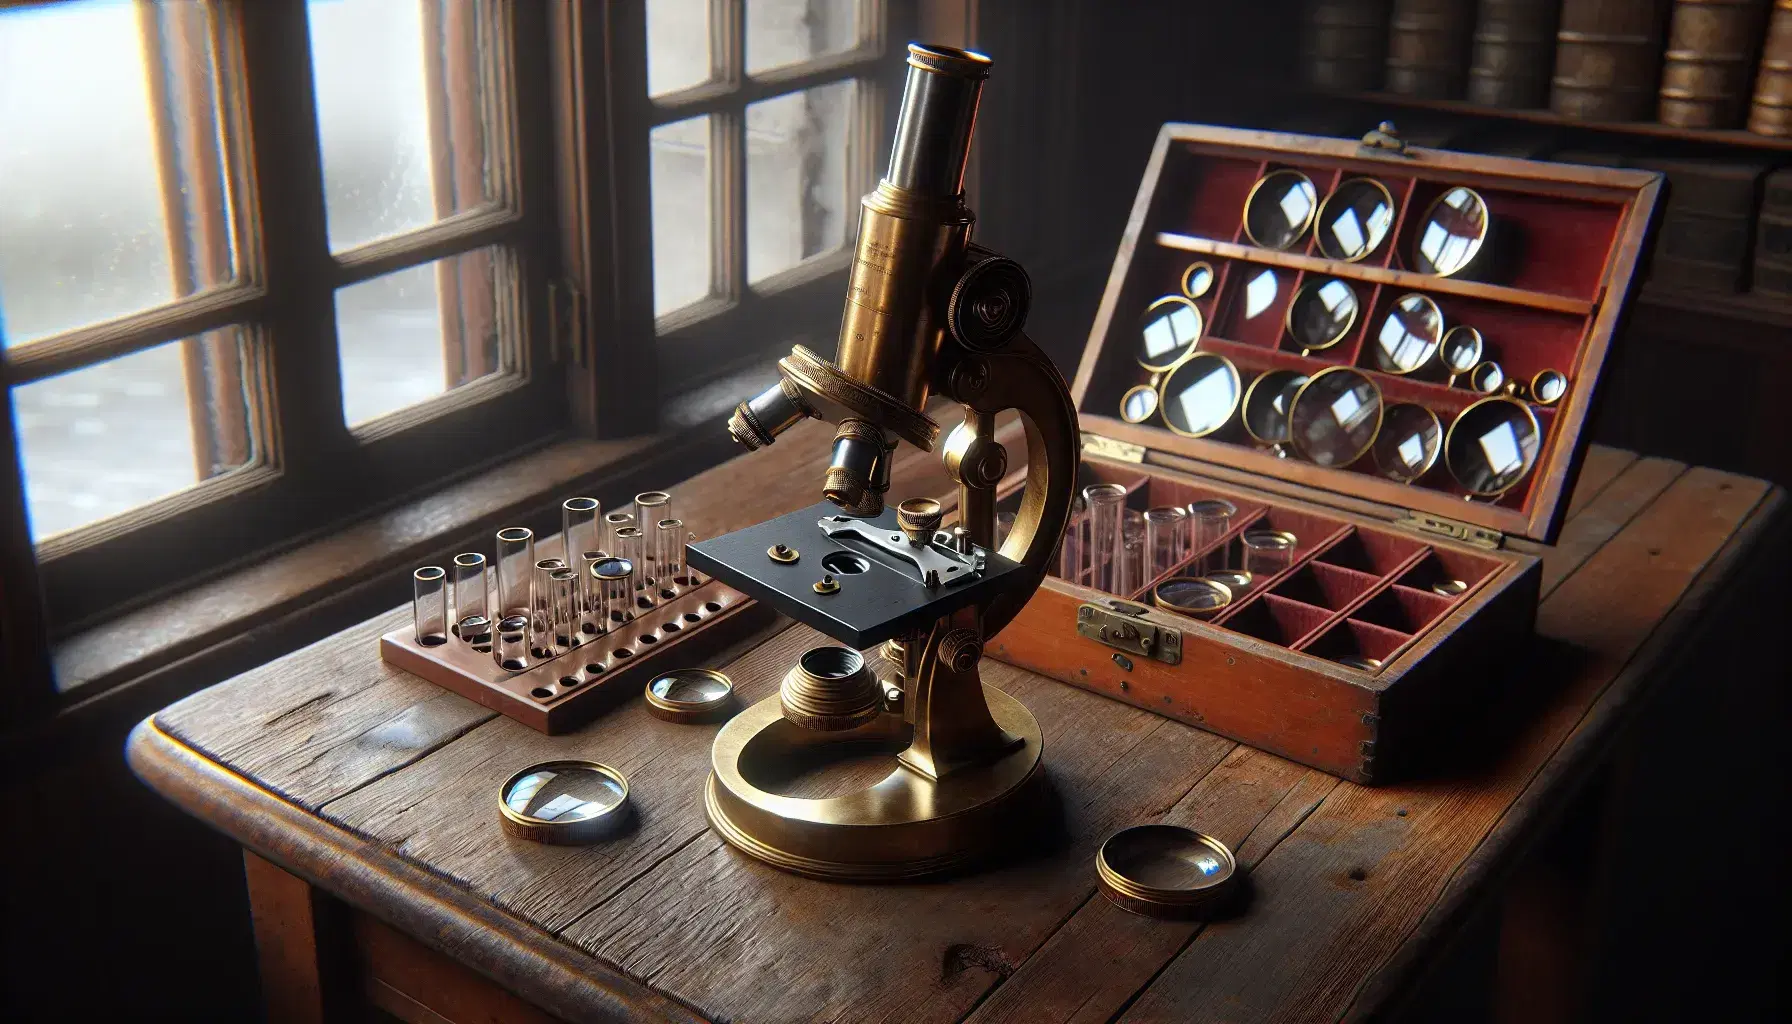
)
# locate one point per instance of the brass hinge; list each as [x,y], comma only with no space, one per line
[1479,536]
[566,323]
[1123,626]
[1108,448]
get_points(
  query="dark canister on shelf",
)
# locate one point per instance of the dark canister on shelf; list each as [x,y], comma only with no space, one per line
[1428,47]
[1705,76]
[1515,45]
[1346,44]
[1773,237]
[1771,113]
[1608,54]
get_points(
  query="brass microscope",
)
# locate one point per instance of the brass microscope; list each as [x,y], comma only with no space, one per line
[926,311]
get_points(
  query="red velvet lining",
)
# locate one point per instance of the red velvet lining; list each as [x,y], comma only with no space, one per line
[1555,244]
[1403,608]
[1353,636]
[1372,552]
[1277,620]
[1326,586]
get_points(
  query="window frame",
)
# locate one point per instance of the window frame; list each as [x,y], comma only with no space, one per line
[313,472]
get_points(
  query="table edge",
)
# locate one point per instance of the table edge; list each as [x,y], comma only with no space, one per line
[1383,990]
[537,966]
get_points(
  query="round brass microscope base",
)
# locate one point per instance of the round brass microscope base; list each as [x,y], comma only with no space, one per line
[905,826]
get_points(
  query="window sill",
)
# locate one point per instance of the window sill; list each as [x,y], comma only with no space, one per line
[155,654]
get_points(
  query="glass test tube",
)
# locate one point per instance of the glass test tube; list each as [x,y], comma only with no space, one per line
[668,538]
[429,605]
[578,527]
[472,613]
[1106,504]
[1073,551]
[1267,552]
[628,548]
[542,631]
[1211,519]
[565,583]
[612,522]
[516,570]
[615,589]
[650,508]
[592,620]
[695,577]
[1132,553]
[510,643]
[1165,531]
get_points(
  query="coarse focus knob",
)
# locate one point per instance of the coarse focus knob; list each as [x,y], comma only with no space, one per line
[989,303]
[960,649]
[919,518]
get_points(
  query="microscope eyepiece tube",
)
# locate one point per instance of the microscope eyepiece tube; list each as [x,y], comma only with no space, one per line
[854,475]
[939,111]
[759,420]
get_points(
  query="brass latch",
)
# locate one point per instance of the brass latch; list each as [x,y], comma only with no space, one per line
[1109,448]
[1123,626]
[1385,140]
[1479,536]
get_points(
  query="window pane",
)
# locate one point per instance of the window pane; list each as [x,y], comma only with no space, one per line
[417,333]
[797,201]
[400,113]
[680,213]
[677,45]
[106,439]
[781,32]
[108,133]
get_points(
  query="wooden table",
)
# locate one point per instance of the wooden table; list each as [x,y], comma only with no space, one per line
[364,799]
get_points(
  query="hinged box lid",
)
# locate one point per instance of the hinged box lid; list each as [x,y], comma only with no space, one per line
[1544,283]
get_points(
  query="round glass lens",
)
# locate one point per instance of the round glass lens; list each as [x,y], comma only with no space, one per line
[1197,280]
[1266,405]
[1279,209]
[1200,396]
[1409,337]
[1168,329]
[1461,348]
[1407,445]
[564,794]
[1355,219]
[1451,235]
[1492,446]
[1335,417]
[1321,314]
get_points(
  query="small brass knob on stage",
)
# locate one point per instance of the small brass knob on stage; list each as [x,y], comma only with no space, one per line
[919,517]
[830,689]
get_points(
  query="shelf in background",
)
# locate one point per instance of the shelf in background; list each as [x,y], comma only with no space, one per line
[1743,306]
[1734,138]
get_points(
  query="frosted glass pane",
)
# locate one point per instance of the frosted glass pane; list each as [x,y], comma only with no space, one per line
[797,197]
[681,214]
[677,45]
[781,32]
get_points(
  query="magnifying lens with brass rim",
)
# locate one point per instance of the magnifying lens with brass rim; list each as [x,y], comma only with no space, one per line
[1279,209]
[1335,416]
[1451,233]
[1359,662]
[1168,330]
[1487,377]
[1194,596]
[1354,220]
[1449,588]
[1408,339]
[1139,403]
[1200,396]
[1492,446]
[1165,871]
[1321,314]
[1236,580]
[1460,350]
[566,803]
[1548,387]
[690,695]
[1407,445]
[1198,279]
[1266,404]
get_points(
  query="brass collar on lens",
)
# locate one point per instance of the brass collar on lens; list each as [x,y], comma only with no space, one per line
[1380,411]
[1164,871]
[1319,218]
[690,696]
[1144,397]
[1193,596]
[1536,430]
[1189,287]
[567,820]
[1356,309]
[1163,393]
[1251,197]
[1182,350]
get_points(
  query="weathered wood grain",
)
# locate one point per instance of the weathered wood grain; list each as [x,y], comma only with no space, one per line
[1589,527]
[1601,466]
[1093,964]
[741,941]
[442,811]
[1343,891]
[323,720]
